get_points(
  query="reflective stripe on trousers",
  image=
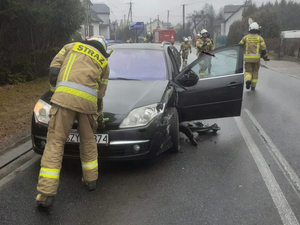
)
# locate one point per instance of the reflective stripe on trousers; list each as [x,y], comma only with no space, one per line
[248,76]
[89,165]
[49,173]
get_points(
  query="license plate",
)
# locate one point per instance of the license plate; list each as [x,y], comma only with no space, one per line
[100,138]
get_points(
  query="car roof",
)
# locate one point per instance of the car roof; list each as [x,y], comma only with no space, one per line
[138,46]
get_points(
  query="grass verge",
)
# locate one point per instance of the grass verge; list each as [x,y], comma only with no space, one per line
[16,107]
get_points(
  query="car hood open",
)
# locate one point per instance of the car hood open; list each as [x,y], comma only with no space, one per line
[122,96]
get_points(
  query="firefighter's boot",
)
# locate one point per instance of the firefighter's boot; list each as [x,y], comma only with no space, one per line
[45,201]
[248,83]
[91,185]
[252,88]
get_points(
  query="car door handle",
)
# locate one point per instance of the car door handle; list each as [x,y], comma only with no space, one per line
[233,84]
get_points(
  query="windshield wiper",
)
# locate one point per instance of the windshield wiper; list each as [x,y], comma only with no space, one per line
[121,78]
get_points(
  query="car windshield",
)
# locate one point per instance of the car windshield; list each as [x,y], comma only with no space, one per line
[137,64]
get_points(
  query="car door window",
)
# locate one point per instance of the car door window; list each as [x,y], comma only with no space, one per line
[175,55]
[224,62]
[216,94]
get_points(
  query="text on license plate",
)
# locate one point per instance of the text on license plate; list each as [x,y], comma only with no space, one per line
[100,138]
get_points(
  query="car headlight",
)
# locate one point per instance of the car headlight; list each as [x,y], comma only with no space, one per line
[142,116]
[41,110]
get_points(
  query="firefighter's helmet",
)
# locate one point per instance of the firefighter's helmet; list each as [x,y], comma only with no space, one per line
[254,26]
[101,39]
[204,31]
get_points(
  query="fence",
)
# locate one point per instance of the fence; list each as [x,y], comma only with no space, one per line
[220,41]
[282,47]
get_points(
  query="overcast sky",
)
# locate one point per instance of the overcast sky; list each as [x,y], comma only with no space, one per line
[143,10]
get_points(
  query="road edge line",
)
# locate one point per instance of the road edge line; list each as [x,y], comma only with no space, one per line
[13,174]
[284,209]
[285,167]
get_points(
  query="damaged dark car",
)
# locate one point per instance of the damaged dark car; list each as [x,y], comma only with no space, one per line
[148,96]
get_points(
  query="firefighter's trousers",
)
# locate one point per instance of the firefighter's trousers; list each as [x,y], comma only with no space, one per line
[251,72]
[204,64]
[60,124]
[184,55]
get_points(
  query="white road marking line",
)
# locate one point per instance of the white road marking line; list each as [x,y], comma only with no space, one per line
[13,174]
[285,167]
[286,213]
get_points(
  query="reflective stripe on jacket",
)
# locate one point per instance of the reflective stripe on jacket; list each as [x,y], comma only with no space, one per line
[82,78]
[253,45]
[204,41]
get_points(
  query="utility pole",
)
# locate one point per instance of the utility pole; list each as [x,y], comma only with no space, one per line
[158,21]
[87,18]
[130,11]
[150,25]
[124,22]
[183,14]
[168,17]
[114,29]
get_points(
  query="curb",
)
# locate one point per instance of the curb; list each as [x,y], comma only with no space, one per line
[11,154]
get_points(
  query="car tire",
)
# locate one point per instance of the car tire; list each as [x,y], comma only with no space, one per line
[174,131]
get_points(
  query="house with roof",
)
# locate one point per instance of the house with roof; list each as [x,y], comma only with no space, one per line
[154,25]
[97,21]
[101,25]
[231,14]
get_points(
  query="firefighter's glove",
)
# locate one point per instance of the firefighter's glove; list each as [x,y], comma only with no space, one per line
[101,120]
[204,45]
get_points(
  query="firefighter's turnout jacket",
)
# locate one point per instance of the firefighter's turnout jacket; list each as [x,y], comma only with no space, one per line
[253,47]
[185,48]
[78,86]
[204,44]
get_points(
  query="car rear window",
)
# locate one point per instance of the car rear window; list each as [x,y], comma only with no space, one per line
[138,64]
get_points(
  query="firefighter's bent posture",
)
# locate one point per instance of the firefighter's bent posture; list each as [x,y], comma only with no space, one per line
[254,49]
[78,77]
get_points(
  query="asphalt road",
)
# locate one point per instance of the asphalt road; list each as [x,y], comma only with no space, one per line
[247,173]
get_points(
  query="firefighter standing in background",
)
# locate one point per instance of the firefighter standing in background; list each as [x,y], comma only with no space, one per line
[203,44]
[196,39]
[78,77]
[185,48]
[254,49]
[212,48]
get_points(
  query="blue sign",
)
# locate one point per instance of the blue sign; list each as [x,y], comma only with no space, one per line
[136,26]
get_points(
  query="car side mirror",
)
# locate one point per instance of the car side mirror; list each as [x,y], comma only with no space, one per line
[190,78]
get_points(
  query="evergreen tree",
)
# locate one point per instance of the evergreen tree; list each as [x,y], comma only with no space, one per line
[32,31]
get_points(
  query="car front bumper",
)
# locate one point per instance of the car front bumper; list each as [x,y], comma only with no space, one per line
[151,140]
